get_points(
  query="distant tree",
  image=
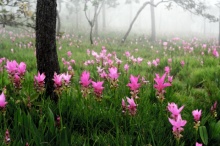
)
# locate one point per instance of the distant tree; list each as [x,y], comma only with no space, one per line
[47,60]
[153,27]
[16,13]
[97,4]
[196,7]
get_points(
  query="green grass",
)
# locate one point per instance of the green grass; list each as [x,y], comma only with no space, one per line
[92,122]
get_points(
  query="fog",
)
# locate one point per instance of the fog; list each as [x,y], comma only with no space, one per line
[175,21]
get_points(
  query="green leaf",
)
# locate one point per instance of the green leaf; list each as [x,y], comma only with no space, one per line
[51,120]
[203,134]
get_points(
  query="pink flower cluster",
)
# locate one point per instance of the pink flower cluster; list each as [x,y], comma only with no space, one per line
[176,120]
[131,107]
[160,86]
[61,82]
[39,82]
[85,82]
[197,115]
[16,72]
[134,86]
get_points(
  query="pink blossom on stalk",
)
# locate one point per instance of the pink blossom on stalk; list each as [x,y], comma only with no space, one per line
[134,85]
[113,73]
[21,69]
[132,107]
[127,54]
[11,67]
[17,81]
[69,53]
[7,137]
[149,63]
[57,80]
[139,60]
[173,109]
[215,53]
[169,60]
[182,63]
[2,100]
[170,79]
[84,79]
[177,124]
[213,109]
[197,114]
[160,85]
[66,78]
[154,62]
[167,69]
[126,67]
[103,74]
[98,88]
[198,144]
[123,106]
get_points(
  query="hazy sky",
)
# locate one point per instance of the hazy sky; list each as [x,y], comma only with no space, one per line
[174,21]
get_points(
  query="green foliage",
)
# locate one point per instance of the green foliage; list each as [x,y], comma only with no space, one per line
[31,118]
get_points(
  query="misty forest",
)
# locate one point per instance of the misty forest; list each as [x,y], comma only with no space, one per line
[109,72]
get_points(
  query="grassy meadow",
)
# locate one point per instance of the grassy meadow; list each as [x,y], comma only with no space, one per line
[146,96]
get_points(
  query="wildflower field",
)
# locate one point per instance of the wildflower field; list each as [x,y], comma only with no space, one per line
[140,93]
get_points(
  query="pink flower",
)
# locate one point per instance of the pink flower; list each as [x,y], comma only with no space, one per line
[126,67]
[177,125]
[214,106]
[170,79]
[154,62]
[134,85]
[127,54]
[169,60]
[165,44]
[21,69]
[66,78]
[160,85]
[132,107]
[39,78]
[182,63]
[197,115]
[113,73]
[215,53]
[198,144]
[11,67]
[69,53]
[2,100]
[173,108]
[57,80]
[149,63]
[84,79]
[167,69]
[98,88]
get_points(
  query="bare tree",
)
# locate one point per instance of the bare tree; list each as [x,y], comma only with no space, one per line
[194,7]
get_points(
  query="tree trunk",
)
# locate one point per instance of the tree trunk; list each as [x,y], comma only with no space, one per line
[103,18]
[136,16]
[96,24]
[132,22]
[47,60]
[153,29]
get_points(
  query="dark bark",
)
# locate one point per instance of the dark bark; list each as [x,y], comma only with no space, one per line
[47,60]
[153,28]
